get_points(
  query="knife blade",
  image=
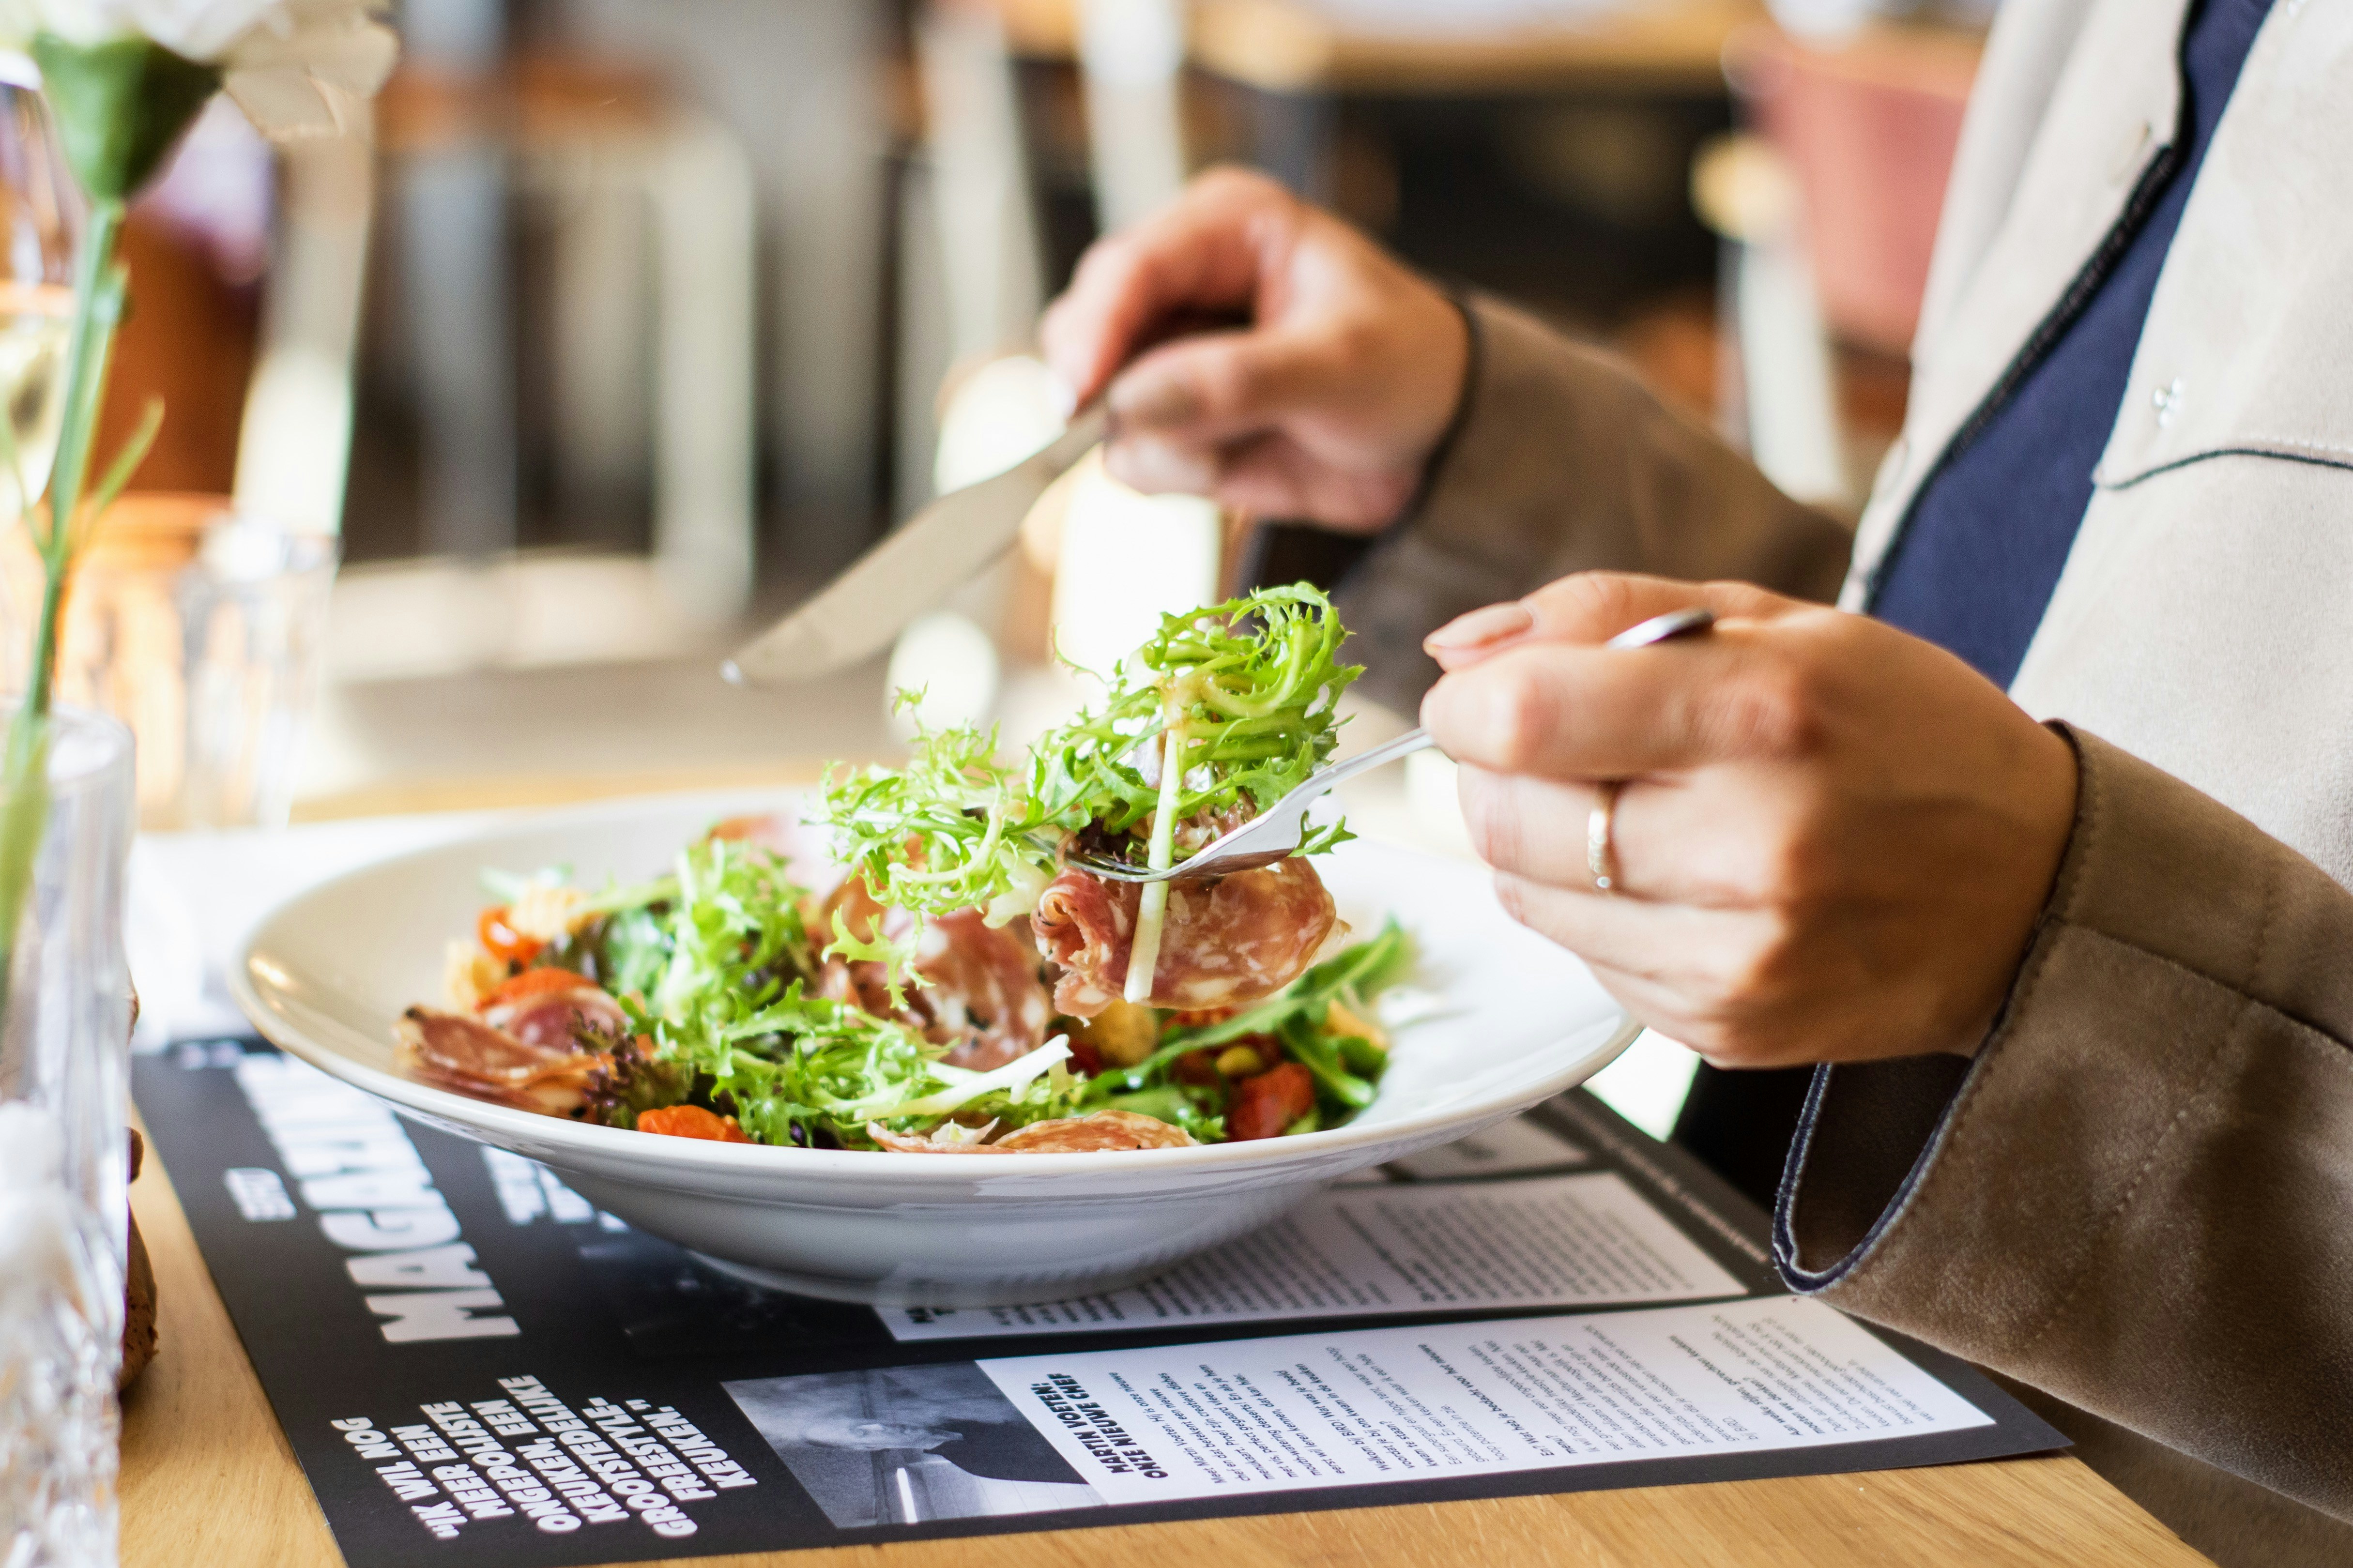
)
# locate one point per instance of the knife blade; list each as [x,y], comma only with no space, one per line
[939,549]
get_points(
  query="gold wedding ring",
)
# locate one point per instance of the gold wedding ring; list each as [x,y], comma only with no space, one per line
[1600,853]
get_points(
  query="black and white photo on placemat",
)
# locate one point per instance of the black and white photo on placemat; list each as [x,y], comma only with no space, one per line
[909,1444]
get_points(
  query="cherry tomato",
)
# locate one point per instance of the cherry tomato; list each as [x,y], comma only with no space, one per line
[531,983]
[504,943]
[691,1122]
[1263,1106]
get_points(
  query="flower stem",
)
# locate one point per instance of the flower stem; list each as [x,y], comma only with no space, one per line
[98,309]
[24,765]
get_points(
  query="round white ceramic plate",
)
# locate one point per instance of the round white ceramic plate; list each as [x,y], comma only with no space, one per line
[326,972]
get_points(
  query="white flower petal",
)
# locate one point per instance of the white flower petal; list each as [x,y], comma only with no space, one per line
[354,55]
[214,31]
[297,67]
[291,105]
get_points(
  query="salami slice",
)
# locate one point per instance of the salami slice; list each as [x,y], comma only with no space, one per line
[453,1050]
[1225,942]
[982,997]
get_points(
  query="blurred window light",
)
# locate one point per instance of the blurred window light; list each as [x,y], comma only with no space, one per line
[1127,559]
[948,666]
[1431,783]
[1131,52]
[996,416]
[1648,1084]
[1824,19]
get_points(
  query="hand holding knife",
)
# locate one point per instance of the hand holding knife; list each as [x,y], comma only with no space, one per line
[941,548]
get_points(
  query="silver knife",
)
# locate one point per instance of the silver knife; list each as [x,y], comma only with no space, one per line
[940,548]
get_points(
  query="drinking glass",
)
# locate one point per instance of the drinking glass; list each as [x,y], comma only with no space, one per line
[64,1199]
[64,997]
[201,627]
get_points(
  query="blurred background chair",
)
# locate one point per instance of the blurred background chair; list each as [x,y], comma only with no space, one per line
[630,213]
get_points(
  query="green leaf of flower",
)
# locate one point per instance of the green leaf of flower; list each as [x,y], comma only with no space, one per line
[121,106]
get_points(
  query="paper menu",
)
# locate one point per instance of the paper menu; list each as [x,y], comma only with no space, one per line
[848,1435]
[1385,1405]
[1563,1241]
[1520,1146]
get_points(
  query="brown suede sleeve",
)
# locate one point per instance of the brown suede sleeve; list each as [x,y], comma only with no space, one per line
[2140,1194]
[1562,462]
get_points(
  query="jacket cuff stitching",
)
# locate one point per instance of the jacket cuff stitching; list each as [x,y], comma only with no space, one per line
[1930,1174]
[2251,1008]
[2089,816]
[2087,1248]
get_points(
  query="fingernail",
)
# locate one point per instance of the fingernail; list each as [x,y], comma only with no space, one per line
[1149,398]
[1061,397]
[1494,623]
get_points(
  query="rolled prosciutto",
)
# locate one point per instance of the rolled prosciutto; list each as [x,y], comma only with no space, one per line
[982,997]
[1229,940]
[453,1050]
[553,1008]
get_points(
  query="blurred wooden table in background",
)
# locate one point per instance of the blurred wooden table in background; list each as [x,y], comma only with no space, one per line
[1293,45]
[1296,46]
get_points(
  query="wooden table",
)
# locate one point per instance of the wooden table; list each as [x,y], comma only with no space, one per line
[208,1477]
[1293,65]
[1291,46]
[1285,46]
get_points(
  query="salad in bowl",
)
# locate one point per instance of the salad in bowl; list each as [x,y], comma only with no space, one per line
[919,970]
[881,1042]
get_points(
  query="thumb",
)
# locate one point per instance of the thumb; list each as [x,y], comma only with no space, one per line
[1589,607]
[1218,387]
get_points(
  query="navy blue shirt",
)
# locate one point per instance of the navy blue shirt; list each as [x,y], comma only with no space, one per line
[1974,565]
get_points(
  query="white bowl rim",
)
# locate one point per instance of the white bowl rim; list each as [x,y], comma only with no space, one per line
[682,1156]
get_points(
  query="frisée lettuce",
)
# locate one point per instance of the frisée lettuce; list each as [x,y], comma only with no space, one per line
[1219,715]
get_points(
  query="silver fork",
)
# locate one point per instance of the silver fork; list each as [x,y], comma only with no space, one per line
[1276,832]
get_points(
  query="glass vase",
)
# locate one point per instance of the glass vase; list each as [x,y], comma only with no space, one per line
[64,1189]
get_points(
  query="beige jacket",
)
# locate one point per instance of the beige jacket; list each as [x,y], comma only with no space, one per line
[2139,1196]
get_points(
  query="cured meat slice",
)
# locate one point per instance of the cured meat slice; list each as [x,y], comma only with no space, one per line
[983,997]
[556,1017]
[1102,1132]
[453,1050]
[1229,940]
[1087,1134]
[801,847]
